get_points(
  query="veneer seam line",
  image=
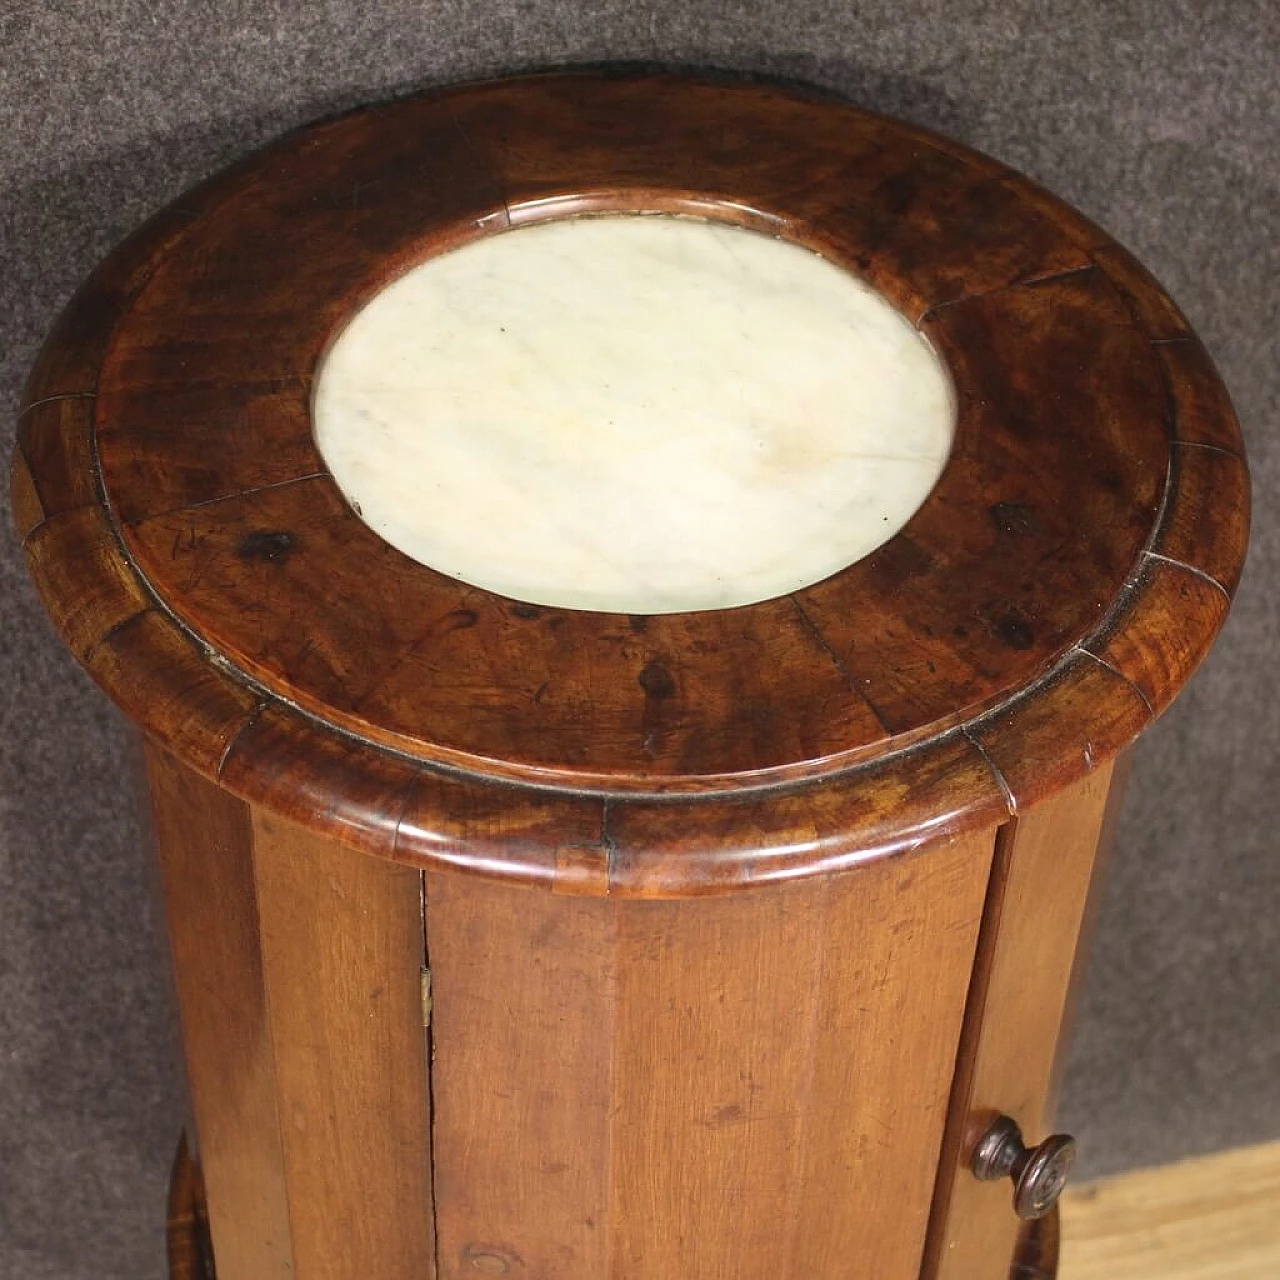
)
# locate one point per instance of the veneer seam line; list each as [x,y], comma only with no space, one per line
[846,675]
[225,497]
[482,158]
[1102,662]
[1026,282]
[1011,802]
[1212,448]
[114,630]
[62,395]
[608,843]
[251,717]
[1190,568]
[270,697]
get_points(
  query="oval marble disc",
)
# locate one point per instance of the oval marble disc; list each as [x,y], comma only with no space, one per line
[633,413]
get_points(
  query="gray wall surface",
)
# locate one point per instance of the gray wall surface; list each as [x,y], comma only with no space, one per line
[1158,119]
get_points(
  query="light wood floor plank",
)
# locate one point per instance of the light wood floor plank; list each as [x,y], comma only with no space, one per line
[1216,1218]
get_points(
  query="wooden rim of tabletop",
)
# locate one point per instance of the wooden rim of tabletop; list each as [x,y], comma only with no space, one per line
[1061,583]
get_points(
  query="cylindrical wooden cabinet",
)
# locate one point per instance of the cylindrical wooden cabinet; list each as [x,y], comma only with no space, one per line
[634,588]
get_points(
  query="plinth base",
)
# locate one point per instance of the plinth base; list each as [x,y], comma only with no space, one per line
[191,1253]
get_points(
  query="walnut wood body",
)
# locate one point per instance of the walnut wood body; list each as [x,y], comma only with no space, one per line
[783,1082]
[741,924]
[191,1251]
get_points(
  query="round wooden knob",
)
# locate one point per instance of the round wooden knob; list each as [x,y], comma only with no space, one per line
[1039,1173]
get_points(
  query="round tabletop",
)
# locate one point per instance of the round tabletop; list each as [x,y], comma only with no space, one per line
[460,633]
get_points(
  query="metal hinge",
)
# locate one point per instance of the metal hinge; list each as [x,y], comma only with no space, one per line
[426,996]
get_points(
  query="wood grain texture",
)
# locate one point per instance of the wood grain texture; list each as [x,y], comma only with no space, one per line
[1121,770]
[205,842]
[1213,1218]
[54,444]
[1207,1219]
[782,160]
[1029,534]
[186,1222]
[750,1086]
[453,665]
[297,967]
[24,497]
[363,197]
[86,579]
[1064,472]
[165,670]
[1083,702]
[1033,616]
[191,1257]
[524,1004]
[1138,641]
[1157,313]
[1206,483]
[740,839]
[1035,912]
[341,961]
[1203,413]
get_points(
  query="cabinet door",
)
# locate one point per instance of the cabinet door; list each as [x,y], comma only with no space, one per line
[1042,886]
[743,1087]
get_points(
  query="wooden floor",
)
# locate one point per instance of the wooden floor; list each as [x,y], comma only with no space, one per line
[1217,1218]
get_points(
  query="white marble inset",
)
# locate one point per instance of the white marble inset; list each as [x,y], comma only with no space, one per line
[638,413]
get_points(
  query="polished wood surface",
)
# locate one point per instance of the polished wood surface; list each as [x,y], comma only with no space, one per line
[342,958]
[1035,911]
[297,967]
[1082,473]
[741,1087]
[1211,1218]
[191,1258]
[186,1225]
[203,836]
[1064,579]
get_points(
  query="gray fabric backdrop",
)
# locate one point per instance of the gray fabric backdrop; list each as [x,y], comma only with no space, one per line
[1158,119]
